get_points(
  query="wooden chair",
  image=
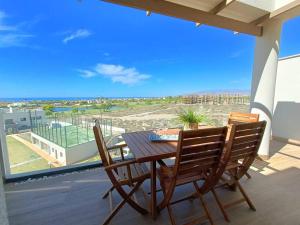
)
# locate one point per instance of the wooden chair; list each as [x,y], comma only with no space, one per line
[237,118]
[200,156]
[242,146]
[123,173]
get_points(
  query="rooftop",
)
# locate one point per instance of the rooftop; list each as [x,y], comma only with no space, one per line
[75,198]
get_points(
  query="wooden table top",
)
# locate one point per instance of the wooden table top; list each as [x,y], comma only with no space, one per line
[145,150]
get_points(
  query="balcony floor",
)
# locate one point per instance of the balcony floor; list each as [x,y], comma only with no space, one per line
[74,199]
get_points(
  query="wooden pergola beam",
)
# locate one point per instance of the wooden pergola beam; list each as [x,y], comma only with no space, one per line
[190,14]
[261,19]
[218,8]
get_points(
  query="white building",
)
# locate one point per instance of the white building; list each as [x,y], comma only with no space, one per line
[67,143]
[16,120]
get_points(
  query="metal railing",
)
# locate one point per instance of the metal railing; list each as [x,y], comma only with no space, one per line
[69,131]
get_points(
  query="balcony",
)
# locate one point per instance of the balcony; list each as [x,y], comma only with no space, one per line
[76,198]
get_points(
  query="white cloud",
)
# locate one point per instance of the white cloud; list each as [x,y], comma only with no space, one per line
[117,73]
[121,74]
[81,33]
[236,54]
[87,73]
[3,26]
[12,35]
[14,40]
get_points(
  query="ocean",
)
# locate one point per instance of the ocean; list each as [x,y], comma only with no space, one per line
[60,99]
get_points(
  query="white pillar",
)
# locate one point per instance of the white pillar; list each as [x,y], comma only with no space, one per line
[264,78]
[3,147]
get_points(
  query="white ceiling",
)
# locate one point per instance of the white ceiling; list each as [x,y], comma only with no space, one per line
[237,10]
[242,10]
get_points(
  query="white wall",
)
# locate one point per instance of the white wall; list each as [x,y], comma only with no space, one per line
[286,119]
[61,152]
[81,152]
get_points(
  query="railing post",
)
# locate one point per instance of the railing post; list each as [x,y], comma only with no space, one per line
[66,139]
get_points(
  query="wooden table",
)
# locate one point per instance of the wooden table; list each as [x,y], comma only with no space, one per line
[145,150]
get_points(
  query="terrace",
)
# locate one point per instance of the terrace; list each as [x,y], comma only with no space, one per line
[75,198]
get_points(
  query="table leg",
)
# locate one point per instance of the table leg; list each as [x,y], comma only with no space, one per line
[153,190]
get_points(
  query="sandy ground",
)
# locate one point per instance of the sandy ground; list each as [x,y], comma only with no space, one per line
[163,116]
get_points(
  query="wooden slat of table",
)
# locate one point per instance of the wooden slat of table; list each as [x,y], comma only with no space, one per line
[145,150]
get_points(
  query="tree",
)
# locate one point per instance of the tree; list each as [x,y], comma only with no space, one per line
[106,107]
[49,109]
[75,110]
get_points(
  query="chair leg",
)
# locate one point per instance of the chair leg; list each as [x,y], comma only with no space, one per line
[126,199]
[220,205]
[114,212]
[206,209]
[248,175]
[245,195]
[170,212]
[107,192]
[208,216]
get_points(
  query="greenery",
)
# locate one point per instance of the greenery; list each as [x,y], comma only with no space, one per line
[189,116]
[75,110]
[19,154]
[49,109]
[106,107]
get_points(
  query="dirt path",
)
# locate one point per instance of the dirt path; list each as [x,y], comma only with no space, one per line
[38,151]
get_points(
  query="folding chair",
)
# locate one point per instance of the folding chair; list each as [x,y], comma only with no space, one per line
[200,156]
[242,146]
[124,173]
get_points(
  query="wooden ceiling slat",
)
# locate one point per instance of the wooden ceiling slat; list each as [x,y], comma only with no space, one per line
[221,6]
[191,14]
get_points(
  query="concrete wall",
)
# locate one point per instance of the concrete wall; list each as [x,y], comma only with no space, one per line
[80,152]
[286,119]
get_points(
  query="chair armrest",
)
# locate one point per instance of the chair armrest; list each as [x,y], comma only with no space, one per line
[120,164]
[120,147]
[117,146]
[161,162]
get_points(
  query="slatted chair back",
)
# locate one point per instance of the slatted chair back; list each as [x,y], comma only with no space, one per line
[202,151]
[236,118]
[103,152]
[245,140]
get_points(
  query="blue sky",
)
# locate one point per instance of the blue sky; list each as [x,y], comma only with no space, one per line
[90,48]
